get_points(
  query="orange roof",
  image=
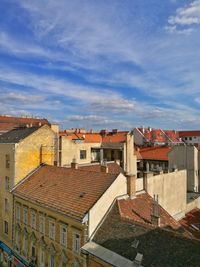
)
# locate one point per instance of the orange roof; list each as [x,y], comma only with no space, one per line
[7,123]
[159,135]
[192,222]
[139,209]
[118,137]
[69,191]
[189,133]
[155,153]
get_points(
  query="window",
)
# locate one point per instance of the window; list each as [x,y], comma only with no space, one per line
[190,138]
[6,205]
[18,212]
[63,235]
[25,216]
[25,245]
[7,161]
[185,138]
[82,154]
[33,254]
[6,227]
[51,261]
[7,183]
[52,230]
[42,224]
[42,258]
[76,243]
[33,220]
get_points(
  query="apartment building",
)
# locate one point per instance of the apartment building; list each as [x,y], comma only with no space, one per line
[56,210]
[190,137]
[21,151]
[98,147]
[151,136]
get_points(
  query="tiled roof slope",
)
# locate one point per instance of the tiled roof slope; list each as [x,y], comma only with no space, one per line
[159,247]
[110,137]
[140,208]
[192,222]
[7,123]
[16,135]
[70,191]
[189,133]
[159,135]
[113,168]
[155,153]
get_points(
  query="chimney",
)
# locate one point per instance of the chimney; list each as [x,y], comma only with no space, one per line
[104,168]
[114,131]
[155,216]
[117,161]
[131,185]
[74,164]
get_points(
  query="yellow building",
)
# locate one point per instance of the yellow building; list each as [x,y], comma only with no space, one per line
[21,151]
[56,210]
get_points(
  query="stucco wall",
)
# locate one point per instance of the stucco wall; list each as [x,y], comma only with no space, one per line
[186,157]
[97,212]
[171,189]
[71,151]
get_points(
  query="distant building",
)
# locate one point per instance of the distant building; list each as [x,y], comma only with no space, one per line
[150,137]
[154,159]
[8,122]
[190,137]
[98,147]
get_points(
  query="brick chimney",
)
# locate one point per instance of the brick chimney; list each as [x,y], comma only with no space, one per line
[155,215]
[131,185]
[104,168]
[74,164]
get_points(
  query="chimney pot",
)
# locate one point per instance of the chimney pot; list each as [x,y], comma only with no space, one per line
[104,168]
[74,164]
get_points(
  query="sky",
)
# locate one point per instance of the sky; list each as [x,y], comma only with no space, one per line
[102,63]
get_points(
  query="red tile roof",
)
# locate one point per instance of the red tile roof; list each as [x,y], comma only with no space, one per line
[118,137]
[69,191]
[7,123]
[139,209]
[155,153]
[159,135]
[192,222]
[113,168]
[189,133]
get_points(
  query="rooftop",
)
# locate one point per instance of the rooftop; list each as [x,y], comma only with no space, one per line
[189,133]
[69,191]
[7,123]
[113,167]
[16,135]
[159,247]
[192,222]
[155,153]
[140,208]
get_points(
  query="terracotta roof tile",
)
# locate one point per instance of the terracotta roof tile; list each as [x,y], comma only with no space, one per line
[139,209]
[69,191]
[155,153]
[192,222]
[189,133]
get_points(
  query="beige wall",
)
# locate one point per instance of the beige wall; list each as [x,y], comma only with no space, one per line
[171,189]
[24,157]
[70,150]
[186,157]
[98,211]
[72,227]
[130,159]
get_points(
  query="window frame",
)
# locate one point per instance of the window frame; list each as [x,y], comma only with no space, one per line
[83,154]
[52,235]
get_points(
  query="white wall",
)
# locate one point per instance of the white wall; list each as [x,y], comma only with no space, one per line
[97,212]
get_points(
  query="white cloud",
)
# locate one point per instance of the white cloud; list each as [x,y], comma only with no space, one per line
[185,17]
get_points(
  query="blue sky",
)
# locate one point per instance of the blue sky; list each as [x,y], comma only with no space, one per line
[102,63]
